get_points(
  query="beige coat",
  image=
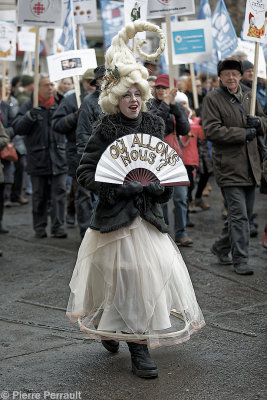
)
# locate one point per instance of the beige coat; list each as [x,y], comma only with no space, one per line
[236,162]
[4,139]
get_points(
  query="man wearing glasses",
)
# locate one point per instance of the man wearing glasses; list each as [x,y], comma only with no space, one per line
[237,165]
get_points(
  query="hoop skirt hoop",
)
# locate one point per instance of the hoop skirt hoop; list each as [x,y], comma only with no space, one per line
[132,284]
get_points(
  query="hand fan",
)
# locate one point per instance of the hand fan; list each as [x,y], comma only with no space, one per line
[143,158]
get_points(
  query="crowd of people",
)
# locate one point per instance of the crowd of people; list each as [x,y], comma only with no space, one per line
[50,140]
[129,275]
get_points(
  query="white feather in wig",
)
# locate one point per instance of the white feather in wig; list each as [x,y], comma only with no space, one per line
[122,69]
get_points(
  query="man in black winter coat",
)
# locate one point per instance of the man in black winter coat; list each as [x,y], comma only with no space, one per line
[89,112]
[46,160]
[65,122]
[6,120]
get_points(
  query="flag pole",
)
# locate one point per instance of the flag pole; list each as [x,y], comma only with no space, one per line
[169,41]
[77,45]
[194,88]
[36,67]
[78,37]
[4,68]
[30,62]
[254,82]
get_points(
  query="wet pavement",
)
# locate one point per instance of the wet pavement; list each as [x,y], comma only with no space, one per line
[44,356]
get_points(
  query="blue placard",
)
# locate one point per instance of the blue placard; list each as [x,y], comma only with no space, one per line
[192,41]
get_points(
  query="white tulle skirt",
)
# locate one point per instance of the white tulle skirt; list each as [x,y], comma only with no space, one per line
[132,284]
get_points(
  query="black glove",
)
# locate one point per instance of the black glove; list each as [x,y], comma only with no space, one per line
[75,115]
[129,189]
[154,189]
[36,113]
[253,122]
[251,133]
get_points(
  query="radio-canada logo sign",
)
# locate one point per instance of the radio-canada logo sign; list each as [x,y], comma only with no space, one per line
[39,7]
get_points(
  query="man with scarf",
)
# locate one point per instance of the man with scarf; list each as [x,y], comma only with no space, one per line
[46,160]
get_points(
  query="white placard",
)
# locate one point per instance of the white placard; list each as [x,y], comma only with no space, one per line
[191,41]
[40,12]
[42,31]
[249,49]
[85,11]
[160,8]
[8,15]
[70,63]
[26,41]
[8,35]
[134,10]
[254,27]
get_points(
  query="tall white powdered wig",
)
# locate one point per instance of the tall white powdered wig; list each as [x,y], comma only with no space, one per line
[122,69]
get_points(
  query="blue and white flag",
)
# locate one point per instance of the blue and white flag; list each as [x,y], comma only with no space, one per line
[204,11]
[225,40]
[67,39]
[223,31]
[112,13]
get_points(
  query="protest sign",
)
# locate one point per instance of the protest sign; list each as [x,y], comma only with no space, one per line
[26,38]
[254,26]
[26,41]
[134,10]
[160,8]
[70,63]
[40,12]
[8,33]
[191,41]
[84,11]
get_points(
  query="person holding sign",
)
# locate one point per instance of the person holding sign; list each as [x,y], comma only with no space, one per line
[46,160]
[237,165]
[129,276]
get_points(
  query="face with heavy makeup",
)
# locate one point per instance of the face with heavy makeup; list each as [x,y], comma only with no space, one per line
[130,103]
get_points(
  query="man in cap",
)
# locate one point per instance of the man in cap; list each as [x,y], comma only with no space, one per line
[87,78]
[247,79]
[237,167]
[151,66]
[26,89]
[248,73]
[89,111]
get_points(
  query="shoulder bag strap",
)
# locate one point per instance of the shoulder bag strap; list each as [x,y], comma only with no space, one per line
[260,139]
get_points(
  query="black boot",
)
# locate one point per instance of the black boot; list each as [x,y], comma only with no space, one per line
[2,229]
[111,345]
[142,364]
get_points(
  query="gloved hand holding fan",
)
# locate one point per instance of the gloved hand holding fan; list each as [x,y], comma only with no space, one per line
[142,158]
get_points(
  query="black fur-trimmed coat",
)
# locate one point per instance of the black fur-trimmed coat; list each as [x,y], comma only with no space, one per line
[112,211]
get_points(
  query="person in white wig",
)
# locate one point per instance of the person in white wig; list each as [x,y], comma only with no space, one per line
[129,276]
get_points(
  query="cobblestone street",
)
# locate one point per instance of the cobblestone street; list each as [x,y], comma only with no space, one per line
[41,351]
